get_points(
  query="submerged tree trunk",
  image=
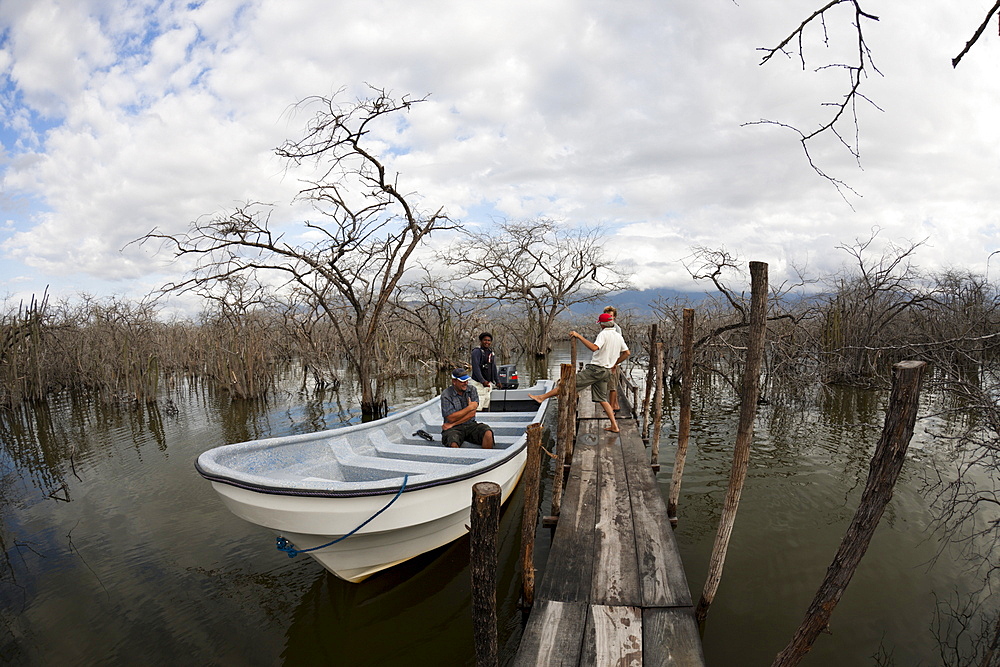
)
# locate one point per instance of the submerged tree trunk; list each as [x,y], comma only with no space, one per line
[884,470]
[744,435]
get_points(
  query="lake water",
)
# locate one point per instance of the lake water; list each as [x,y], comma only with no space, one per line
[116,552]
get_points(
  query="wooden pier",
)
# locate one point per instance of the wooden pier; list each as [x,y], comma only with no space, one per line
[614,590]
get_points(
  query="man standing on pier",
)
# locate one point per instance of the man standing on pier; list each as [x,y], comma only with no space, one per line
[613,382]
[609,350]
[459,403]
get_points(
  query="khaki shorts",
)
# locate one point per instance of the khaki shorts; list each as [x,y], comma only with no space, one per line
[595,377]
[484,394]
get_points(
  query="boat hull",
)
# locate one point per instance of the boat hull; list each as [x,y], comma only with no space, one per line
[420,521]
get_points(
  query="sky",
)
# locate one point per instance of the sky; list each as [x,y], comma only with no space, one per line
[117,118]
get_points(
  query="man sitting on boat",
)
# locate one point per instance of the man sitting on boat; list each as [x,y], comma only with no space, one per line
[459,403]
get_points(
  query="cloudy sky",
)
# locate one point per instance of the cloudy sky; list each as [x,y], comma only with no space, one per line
[120,117]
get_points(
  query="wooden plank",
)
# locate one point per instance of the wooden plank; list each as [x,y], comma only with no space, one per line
[670,638]
[616,579]
[570,564]
[661,573]
[586,408]
[613,636]
[553,635]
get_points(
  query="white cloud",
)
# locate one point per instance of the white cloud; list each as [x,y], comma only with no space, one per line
[631,114]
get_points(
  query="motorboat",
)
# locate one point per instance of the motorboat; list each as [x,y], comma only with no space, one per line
[362,498]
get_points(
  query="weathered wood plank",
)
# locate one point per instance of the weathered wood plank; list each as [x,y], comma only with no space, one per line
[613,636]
[586,408]
[670,638]
[661,573]
[570,565]
[616,579]
[553,635]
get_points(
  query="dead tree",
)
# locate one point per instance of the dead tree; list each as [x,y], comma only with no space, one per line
[542,266]
[842,122]
[348,263]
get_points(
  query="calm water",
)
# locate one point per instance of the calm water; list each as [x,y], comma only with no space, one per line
[117,553]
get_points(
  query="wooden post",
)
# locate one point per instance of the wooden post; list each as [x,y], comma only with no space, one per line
[650,375]
[565,434]
[684,427]
[744,435]
[572,352]
[485,523]
[654,458]
[532,473]
[883,472]
[571,404]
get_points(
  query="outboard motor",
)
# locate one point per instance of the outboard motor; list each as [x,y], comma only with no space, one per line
[508,376]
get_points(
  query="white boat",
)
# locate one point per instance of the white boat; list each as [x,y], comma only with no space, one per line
[363,498]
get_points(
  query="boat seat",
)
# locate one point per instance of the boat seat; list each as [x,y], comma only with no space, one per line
[430,453]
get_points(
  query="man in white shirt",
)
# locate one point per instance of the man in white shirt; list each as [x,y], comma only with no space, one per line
[609,350]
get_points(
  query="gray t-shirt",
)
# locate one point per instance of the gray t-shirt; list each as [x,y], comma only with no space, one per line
[452,401]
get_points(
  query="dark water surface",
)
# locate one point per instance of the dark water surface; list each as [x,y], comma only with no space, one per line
[117,553]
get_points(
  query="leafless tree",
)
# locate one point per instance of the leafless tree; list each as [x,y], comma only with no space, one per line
[842,122]
[350,261]
[865,313]
[545,267]
[441,319]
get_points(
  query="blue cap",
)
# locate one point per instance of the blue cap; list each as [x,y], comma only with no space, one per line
[460,374]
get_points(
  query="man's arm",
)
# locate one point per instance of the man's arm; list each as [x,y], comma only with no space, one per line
[590,346]
[461,416]
[622,357]
[477,365]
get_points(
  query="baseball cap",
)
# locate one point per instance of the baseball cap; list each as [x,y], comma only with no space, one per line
[460,374]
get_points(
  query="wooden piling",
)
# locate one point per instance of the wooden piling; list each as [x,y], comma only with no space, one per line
[485,523]
[684,426]
[567,426]
[650,374]
[749,393]
[890,453]
[654,458]
[532,480]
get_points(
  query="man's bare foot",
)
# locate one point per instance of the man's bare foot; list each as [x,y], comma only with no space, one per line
[538,399]
[611,429]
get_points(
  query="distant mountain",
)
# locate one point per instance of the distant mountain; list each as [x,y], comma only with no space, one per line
[638,301]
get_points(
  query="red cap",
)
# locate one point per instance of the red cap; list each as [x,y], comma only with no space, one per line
[605,317]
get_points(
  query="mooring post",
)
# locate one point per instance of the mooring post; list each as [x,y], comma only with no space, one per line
[650,375]
[654,458]
[565,434]
[900,417]
[532,473]
[573,401]
[485,523]
[749,392]
[684,427]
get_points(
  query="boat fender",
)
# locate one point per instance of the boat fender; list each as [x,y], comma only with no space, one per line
[283,544]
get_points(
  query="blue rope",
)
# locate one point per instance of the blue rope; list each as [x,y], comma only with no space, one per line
[289,548]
